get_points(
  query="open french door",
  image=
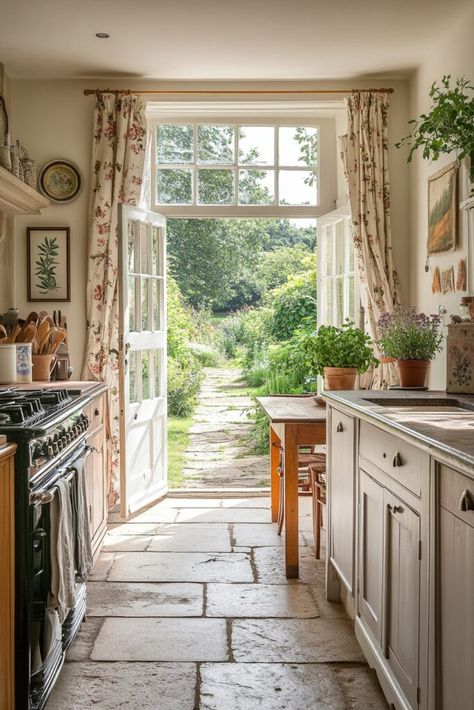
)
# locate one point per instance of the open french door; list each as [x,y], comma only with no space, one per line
[142,308]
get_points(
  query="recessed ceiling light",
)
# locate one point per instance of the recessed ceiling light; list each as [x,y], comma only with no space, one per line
[102,35]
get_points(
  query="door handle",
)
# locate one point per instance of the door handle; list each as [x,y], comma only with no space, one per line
[466,502]
[339,428]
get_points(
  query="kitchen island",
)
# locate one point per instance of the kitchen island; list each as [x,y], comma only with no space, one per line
[401,538]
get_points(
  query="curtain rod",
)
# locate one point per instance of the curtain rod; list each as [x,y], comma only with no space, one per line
[88,92]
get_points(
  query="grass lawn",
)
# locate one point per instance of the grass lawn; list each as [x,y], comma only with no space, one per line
[178,437]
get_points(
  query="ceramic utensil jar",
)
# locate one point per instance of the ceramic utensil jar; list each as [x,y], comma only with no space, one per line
[43,365]
[7,364]
[24,363]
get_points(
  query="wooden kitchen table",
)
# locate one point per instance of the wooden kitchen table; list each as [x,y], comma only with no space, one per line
[294,421]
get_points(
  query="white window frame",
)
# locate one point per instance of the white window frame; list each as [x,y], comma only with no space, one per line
[235,210]
[337,226]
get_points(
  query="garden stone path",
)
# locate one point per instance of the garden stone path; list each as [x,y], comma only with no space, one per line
[219,454]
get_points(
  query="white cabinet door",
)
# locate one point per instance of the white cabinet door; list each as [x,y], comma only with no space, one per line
[342,492]
[371,540]
[143,433]
[401,606]
[457,612]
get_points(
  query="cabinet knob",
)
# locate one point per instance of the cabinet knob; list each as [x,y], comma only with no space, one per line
[466,501]
[395,508]
[339,428]
[96,412]
[397,460]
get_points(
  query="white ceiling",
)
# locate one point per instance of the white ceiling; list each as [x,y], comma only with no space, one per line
[220,39]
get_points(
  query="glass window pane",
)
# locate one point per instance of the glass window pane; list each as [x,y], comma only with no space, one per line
[298,187]
[145,374]
[156,255]
[256,145]
[256,187]
[339,248]
[174,144]
[216,187]
[329,303]
[339,302]
[297,145]
[216,144]
[131,245]
[132,376]
[131,303]
[146,325]
[144,249]
[329,252]
[157,373]
[174,187]
[350,305]
[156,286]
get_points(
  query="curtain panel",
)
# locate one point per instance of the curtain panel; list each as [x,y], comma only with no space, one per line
[118,154]
[364,152]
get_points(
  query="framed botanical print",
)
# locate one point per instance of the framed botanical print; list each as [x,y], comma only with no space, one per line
[442,210]
[48,267]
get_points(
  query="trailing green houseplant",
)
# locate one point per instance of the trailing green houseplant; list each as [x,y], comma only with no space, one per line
[341,353]
[448,126]
[412,339]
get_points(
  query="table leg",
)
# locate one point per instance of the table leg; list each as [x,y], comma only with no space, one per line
[291,502]
[275,445]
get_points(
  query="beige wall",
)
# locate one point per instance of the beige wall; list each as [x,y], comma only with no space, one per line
[53,119]
[453,55]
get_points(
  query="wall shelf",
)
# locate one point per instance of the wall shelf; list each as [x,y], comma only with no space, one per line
[16,197]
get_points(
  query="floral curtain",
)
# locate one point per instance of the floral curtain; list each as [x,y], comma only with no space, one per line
[118,155]
[364,152]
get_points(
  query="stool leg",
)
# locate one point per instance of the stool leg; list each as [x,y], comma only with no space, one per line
[317,526]
[281,507]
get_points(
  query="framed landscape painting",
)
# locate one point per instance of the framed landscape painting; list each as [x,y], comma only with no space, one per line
[48,264]
[442,210]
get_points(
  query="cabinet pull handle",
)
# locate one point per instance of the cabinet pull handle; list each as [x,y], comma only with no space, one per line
[339,428]
[397,460]
[466,502]
[395,508]
[96,412]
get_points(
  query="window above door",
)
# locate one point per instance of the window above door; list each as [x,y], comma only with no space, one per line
[230,169]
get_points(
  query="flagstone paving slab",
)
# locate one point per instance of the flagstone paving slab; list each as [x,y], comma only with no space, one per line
[180,567]
[126,543]
[223,515]
[270,570]
[161,640]
[260,535]
[295,640]
[144,599]
[260,600]
[117,686]
[191,537]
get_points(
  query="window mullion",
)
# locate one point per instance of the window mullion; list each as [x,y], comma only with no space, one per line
[236,165]
[276,161]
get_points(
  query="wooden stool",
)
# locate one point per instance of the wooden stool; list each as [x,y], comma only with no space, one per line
[318,486]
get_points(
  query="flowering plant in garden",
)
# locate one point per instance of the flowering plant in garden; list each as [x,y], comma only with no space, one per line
[408,335]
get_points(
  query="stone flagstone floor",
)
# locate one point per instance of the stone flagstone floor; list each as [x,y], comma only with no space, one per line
[218,453]
[189,609]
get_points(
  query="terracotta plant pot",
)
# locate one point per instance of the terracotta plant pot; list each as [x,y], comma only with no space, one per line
[340,378]
[413,373]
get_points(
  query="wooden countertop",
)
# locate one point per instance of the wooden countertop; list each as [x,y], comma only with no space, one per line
[292,408]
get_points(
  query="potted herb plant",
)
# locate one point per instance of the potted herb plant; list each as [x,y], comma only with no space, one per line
[412,339]
[340,354]
[448,125]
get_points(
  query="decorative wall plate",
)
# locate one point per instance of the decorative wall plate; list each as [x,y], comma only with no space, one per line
[60,181]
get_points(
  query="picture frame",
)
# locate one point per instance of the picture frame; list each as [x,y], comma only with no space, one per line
[48,264]
[442,210]
[60,181]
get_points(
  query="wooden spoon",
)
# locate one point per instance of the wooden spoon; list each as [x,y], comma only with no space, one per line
[27,335]
[43,329]
[13,334]
[3,332]
[56,339]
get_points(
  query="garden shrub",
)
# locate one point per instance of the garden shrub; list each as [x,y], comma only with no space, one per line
[184,383]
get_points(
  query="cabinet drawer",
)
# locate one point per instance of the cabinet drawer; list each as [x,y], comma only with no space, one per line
[394,456]
[95,411]
[454,488]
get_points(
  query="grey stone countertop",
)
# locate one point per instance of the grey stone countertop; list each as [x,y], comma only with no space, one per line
[438,422]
